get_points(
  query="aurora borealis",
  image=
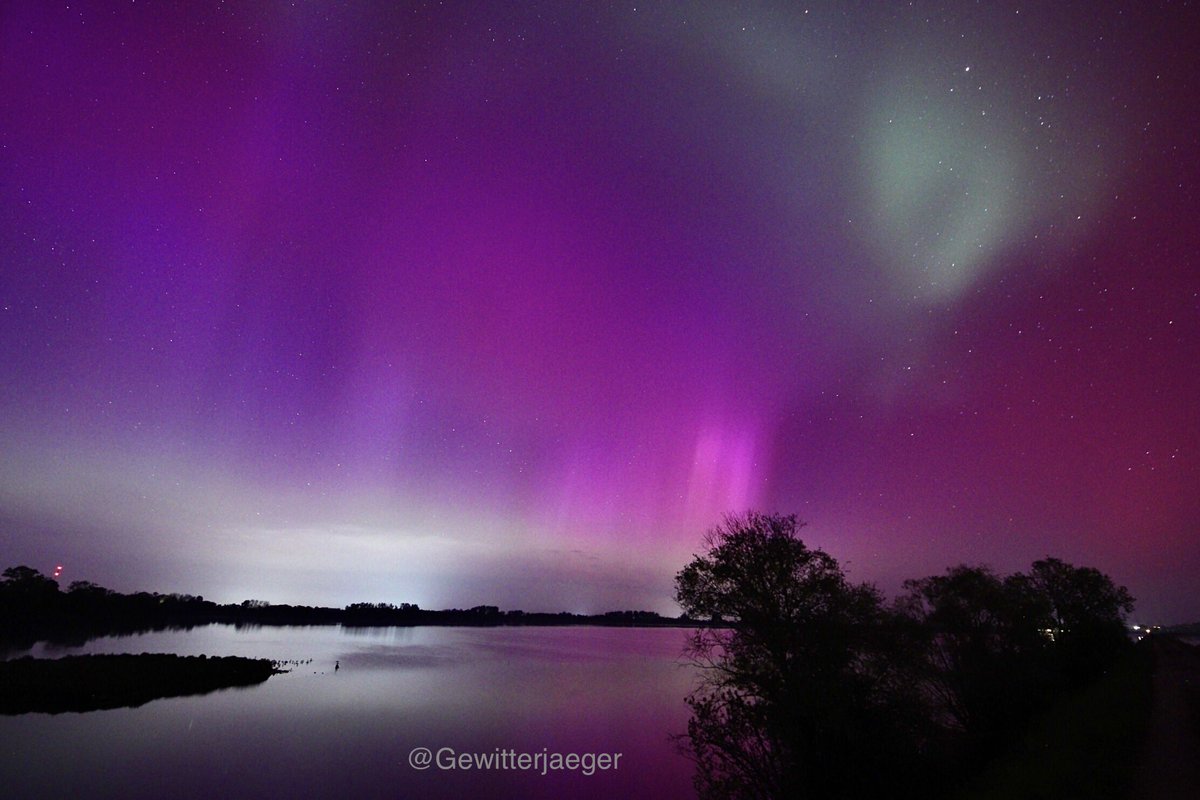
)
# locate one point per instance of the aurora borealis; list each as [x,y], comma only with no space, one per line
[507,303]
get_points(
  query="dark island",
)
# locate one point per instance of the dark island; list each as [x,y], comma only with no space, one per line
[92,683]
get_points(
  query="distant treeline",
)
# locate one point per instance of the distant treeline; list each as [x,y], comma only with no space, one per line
[1190,629]
[34,608]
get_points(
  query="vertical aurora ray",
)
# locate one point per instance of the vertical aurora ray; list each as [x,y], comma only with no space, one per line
[382,302]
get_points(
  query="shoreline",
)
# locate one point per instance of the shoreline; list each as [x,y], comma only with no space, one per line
[82,683]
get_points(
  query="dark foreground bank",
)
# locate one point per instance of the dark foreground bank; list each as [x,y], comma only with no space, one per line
[91,683]
[1171,766]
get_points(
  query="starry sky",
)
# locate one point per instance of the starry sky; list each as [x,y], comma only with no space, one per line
[460,303]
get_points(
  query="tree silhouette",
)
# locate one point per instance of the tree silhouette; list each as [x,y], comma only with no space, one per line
[998,650]
[27,581]
[811,687]
[984,651]
[803,691]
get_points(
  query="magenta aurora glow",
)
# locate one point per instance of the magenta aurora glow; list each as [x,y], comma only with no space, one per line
[464,303]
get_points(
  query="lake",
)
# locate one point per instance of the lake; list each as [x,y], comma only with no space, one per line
[466,694]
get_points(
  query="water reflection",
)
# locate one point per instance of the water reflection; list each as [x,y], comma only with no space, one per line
[316,733]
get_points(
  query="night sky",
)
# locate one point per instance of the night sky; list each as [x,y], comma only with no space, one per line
[458,303]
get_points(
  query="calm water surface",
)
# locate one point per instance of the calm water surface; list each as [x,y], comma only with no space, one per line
[315,732]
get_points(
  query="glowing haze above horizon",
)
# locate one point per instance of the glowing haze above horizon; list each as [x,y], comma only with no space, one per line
[457,303]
